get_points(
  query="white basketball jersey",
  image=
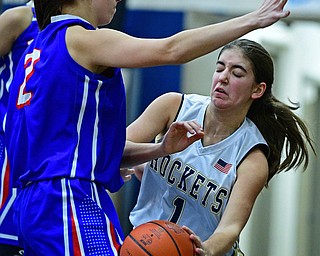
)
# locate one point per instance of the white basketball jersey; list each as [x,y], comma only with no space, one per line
[192,187]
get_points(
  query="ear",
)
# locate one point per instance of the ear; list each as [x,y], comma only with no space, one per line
[258,90]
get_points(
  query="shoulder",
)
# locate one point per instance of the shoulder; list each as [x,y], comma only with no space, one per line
[18,17]
[16,20]
[12,24]
[172,98]
[167,104]
[255,165]
[82,44]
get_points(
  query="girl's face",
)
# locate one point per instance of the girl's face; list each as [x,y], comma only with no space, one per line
[233,85]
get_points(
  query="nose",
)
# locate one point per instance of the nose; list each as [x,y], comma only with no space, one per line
[224,76]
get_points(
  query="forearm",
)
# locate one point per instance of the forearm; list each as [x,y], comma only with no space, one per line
[197,42]
[137,153]
[219,244]
[190,44]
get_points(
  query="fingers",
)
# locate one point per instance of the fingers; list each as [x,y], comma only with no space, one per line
[191,126]
[271,11]
[197,242]
[193,236]
[195,137]
[188,230]
[284,14]
[195,130]
[126,173]
[191,130]
[283,3]
[181,135]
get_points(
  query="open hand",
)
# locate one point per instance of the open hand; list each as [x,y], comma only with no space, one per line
[180,135]
[270,12]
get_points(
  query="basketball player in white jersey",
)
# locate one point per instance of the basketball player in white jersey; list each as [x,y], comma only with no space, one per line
[212,185]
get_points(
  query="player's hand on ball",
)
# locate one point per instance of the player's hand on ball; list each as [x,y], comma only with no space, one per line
[180,135]
[200,249]
[157,238]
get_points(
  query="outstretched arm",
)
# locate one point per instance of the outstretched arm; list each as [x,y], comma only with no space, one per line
[110,48]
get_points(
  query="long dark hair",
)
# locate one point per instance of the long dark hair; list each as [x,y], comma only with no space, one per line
[283,130]
[45,9]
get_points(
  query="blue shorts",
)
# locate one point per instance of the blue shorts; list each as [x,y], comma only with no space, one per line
[67,217]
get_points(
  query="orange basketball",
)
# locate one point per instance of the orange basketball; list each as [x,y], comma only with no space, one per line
[158,238]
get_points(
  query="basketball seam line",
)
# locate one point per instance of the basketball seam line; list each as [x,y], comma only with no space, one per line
[177,247]
[137,242]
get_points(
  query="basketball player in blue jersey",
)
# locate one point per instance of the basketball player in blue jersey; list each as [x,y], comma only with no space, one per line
[18,27]
[212,185]
[66,123]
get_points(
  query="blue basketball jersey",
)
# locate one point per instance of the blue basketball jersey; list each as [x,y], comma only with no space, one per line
[65,134]
[8,65]
[63,120]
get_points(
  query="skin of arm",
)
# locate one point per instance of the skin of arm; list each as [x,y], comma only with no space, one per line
[252,176]
[157,119]
[12,23]
[99,49]
[159,115]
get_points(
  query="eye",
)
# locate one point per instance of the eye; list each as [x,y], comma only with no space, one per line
[220,68]
[238,73]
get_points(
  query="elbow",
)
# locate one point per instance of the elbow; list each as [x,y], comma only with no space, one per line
[177,57]
[174,54]
[172,57]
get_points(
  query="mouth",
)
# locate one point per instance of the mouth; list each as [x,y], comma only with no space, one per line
[219,90]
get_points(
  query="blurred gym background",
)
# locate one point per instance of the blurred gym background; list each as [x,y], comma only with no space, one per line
[286,218]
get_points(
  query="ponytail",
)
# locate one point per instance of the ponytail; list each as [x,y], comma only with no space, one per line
[283,130]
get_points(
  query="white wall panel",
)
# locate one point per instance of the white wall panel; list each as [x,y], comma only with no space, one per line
[300,9]
[225,6]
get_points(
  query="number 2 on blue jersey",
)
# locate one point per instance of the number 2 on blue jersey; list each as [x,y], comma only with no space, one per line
[29,61]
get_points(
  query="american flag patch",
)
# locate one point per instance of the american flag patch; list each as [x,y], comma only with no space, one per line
[222,166]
